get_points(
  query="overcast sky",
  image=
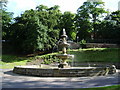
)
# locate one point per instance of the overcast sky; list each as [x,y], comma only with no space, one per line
[19,6]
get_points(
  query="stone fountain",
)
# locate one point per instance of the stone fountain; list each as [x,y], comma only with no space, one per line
[64,55]
[63,69]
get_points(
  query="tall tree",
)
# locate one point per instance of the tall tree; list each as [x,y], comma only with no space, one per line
[89,15]
[110,28]
[6,22]
[50,17]
[67,22]
[3,3]
[116,16]
[36,29]
[6,19]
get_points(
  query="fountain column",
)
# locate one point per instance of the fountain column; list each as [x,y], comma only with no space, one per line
[64,55]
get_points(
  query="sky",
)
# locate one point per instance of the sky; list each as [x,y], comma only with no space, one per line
[19,6]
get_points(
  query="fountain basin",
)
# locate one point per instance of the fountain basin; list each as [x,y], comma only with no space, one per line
[49,71]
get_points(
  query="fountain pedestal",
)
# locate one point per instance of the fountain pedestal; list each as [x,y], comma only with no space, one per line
[64,56]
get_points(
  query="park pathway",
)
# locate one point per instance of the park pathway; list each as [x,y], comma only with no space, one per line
[12,80]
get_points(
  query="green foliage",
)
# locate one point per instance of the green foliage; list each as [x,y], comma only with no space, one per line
[36,29]
[49,16]
[6,22]
[85,55]
[49,58]
[39,29]
[3,3]
[9,61]
[67,22]
[108,30]
[11,65]
[73,36]
[116,16]
[114,87]
[81,55]
[87,18]
[83,43]
[36,36]
[12,58]
[96,55]
[110,27]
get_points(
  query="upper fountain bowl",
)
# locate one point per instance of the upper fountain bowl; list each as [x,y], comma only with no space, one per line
[64,44]
[63,36]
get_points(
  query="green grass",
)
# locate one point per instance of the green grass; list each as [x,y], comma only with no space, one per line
[96,55]
[11,65]
[87,55]
[81,55]
[49,58]
[114,87]
[9,61]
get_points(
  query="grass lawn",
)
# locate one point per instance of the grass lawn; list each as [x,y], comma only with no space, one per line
[114,87]
[9,61]
[96,55]
[81,55]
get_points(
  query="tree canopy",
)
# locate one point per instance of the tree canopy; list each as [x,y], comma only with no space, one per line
[36,29]
[39,29]
[87,18]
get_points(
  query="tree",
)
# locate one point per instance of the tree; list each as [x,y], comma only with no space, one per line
[88,16]
[50,17]
[3,3]
[6,22]
[28,32]
[6,19]
[109,28]
[116,16]
[36,29]
[67,22]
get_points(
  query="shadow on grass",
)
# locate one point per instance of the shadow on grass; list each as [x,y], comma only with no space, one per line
[13,58]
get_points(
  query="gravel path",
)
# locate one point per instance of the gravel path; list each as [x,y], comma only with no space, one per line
[12,80]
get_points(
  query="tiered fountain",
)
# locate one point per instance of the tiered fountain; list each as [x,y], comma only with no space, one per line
[64,55]
[63,69]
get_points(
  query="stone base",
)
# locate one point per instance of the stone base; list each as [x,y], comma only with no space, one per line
[63,72]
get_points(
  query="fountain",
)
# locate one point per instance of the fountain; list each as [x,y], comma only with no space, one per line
[63,69]
[64,55]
